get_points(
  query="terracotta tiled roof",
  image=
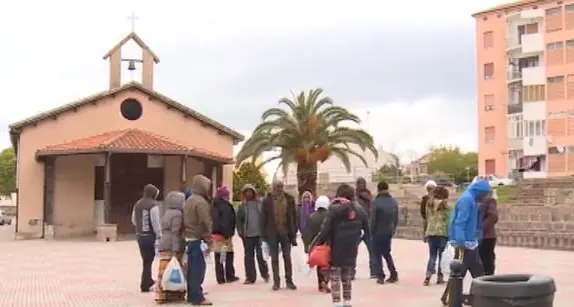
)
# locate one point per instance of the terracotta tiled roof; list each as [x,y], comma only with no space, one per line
[15,128]
[129,141]
[510,5]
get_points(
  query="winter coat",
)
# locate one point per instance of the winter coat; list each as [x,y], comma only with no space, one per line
[223,217]
[342,231]
[172,224]
[313,227]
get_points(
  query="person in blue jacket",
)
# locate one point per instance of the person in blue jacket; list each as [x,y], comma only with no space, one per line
[465,229]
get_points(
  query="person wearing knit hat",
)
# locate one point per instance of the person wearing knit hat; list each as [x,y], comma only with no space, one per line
[223,217]
[309,234]
[429,187]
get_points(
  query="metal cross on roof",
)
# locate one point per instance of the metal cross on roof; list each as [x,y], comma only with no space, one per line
[132,18]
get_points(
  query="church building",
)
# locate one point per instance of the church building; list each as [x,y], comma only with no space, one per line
[82,166]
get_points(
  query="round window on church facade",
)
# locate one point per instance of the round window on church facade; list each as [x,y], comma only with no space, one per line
[131,109]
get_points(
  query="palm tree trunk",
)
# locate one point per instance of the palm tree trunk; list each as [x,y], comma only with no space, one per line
[307,178]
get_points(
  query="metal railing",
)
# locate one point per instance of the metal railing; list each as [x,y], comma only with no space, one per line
[514,75]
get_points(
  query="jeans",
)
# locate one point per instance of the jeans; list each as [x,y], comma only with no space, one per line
[436,246]
[487,255]
[195,272]
[382,249]
[372,260]
[252,250]
[146,244]
[285,243]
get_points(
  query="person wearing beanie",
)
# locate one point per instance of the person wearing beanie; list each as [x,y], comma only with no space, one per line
[436,233]
[310,232]
[223,217]
[429,187]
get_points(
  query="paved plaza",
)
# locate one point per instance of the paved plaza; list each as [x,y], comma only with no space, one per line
[81,273]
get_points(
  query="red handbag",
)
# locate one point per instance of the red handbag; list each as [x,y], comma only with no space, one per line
[320,256]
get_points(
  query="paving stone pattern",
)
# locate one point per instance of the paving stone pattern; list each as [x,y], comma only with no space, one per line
[79,273]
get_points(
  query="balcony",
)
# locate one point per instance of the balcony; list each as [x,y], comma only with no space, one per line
[534,75]
[513,76]
[513,43]
[515,144]
[532,13]
[514,108]
[532,43]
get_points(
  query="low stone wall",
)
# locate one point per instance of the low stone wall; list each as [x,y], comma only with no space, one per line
[546,227]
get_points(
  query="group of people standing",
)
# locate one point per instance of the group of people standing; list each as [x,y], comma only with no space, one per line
[469,226]
[193,225]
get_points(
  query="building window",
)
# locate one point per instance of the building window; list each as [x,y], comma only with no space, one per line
[556,45]
[531,61]
[569,8]
[554,19]
[131,109]
[570,51]
[555,53]
[488,71]
[489,102]
[487,39]
[532,93]
[489,167]
[531,28]
[556,90]
[489,134]
[553,11]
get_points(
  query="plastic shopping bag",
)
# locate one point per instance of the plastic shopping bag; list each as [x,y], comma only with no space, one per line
[447,258]
[265,250]
[302,264]
[173,278]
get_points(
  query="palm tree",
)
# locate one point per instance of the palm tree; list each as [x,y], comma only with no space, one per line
[308,131]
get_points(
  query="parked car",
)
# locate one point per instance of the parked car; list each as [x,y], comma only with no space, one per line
[442,182]
[5,219]
[496,181]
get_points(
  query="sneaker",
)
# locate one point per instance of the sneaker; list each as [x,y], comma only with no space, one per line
[248,282]
[426,282]
[381,280]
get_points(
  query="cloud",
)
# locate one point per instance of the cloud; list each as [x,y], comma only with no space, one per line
[233,63]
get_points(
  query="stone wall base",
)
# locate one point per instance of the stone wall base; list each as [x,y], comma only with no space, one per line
[107,233]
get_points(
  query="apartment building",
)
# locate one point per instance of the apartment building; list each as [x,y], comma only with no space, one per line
[525,66]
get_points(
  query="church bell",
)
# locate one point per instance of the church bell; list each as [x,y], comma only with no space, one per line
[131,66]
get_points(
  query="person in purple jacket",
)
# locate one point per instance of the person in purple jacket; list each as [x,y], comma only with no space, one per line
[306,208]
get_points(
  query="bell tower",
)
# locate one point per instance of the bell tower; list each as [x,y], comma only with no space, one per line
[146,62]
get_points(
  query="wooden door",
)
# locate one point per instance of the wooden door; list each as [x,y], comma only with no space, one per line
[127,182]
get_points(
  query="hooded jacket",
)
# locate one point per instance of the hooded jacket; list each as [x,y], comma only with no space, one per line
[223,216]
[465,221]
[197,211]
[249,214]
[172,224]
[306,208]
[364,196]
[145,215]
[341,229]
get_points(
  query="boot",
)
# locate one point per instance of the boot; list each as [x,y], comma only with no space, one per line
[276,285]
[290,284]
[394,278]
[230,269]
[219,270]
